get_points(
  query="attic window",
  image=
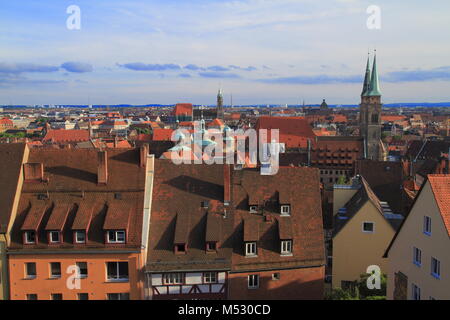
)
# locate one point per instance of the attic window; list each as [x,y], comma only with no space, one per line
[253,209]
[286,247]
[211,246]
[180,248]
[80,237]
[116,236]
[286,210]
[54,237]
[30,237]
[205,204]
[250,249]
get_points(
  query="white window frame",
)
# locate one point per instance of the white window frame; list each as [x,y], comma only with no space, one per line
[27,233]
[210,277]
[415,292]
[427,225]
[286,247]
[79,232]
[50,236]
[253,281]
[55,276]
[82,276]
[174,278]
[435,264]
[118,279]
[373,227]
[285,210]
[253,209]
[120,296]
[417,257]
[251,249]
[27,275]
[116,234]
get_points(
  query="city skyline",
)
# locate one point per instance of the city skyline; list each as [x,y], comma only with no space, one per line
[163,52]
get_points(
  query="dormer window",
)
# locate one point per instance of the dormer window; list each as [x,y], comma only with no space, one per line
[30,237]
[250,249]
[286,247]
[54,236]
[180,248]
[211,246]
[116,236]
[285,210]
[253,209]
[80,236]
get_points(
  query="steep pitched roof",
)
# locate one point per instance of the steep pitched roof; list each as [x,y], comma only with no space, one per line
[70,199]
[11,157]
[293,131]
[61,136]
[359,199]
[440,184]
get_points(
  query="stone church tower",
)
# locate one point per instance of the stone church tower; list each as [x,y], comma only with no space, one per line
[220,112]
[370,113]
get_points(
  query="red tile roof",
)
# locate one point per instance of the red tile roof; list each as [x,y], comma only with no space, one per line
[440,184]
[64,136]
[11,157]
[72,180]
[162,134]
[294,131]
[183,109]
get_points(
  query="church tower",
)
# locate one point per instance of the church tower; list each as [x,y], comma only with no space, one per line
[370,113]
[220,113]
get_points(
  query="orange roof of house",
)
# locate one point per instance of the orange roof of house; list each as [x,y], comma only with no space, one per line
[183,109]
[216,123]
[294,131]
[440,184]
[6,121]
[162,134]
[66,136]
[392,118]
[339,118]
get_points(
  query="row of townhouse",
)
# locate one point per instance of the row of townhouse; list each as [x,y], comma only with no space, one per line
[78,224]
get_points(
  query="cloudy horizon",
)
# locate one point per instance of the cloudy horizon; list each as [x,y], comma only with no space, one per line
[260,51]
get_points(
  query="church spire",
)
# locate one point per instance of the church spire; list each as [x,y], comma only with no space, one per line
[366,86]
[374,82]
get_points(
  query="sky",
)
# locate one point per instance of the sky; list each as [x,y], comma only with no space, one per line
[258,51]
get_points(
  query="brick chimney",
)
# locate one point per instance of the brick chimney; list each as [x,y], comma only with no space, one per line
[102,169]
[143,153]
[226,184]
[33,172]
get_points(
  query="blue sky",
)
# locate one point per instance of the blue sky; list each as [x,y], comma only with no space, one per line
[261,51]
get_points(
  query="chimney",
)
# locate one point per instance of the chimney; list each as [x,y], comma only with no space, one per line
[33,172]
[102,169]
[143,153]
[226,184]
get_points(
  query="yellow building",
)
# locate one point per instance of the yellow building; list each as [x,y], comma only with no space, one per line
[419,255]
[12,156]
[363,228]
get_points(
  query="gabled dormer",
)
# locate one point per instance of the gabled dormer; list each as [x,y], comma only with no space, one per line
[82,222]
[33,219]
[181,238]
[117,222]
[56,222]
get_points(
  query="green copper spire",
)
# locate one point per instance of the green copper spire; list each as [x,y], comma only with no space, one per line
[374,82]
[366,86]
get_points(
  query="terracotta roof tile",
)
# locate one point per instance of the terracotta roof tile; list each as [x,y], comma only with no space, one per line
[440,184]
[117,215]
[58,216]
[11,157]
[61,136]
